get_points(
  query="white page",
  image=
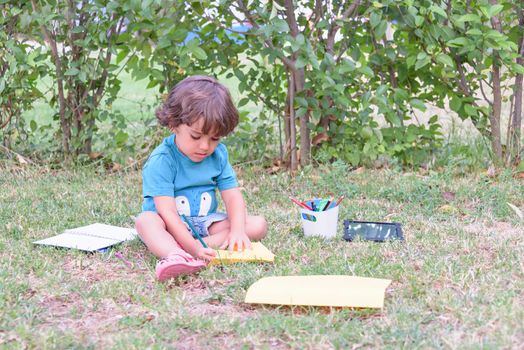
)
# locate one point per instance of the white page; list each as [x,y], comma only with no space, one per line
[106,231]
[68,240]
[91,237]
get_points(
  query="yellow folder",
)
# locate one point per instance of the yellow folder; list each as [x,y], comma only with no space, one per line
[321,290]
[257,253]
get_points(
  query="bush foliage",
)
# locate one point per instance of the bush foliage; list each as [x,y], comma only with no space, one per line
[339,80]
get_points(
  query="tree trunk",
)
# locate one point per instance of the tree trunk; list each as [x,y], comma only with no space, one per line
[292,135]
[516,124]
[64,123]
[286,154]
[305,140]
[299,82]
[494,117]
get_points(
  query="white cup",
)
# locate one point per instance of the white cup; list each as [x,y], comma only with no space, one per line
[320,223]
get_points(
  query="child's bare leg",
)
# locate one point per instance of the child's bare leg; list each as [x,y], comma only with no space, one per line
[216,240]
[256,229]
[152,229]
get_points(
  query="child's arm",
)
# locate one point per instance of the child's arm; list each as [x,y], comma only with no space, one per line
[166,207]
[236,212]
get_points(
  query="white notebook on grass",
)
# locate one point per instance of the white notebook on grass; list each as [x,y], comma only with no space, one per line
[90,238]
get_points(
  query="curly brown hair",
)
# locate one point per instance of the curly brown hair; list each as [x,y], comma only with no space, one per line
[197,97]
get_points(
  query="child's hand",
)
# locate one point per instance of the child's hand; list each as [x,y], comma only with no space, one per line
[206,254]
[238,240]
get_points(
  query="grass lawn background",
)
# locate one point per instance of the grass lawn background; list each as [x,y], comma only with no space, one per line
[458,279]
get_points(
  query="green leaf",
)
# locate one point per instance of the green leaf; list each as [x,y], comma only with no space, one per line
[445,60]
[495,35]
[411,60]
[418,104]
[82,76]
[381,29]
[400,95]
[301,111]
[179,35]
[193,43]
[485,11]
[300,62]
[198,53]
[366,71]
[438,10]
[164,42]
[374,19]
[33,126]
[495,10]
[72,71]
[458,42]
[298,42]
[25,20]
[393,119]
[517,68]
[146,4]
[102,37]
[322,24]
[152,84]
[474,31]
[78,29]
[419,20]
[346,66]
[470,110]
[280,25]
[381,89]
[470,17]
[412,10]
[121,137]
[421,63]
[301,101]
[366,132]
[243,102]
[300,39]
[455,104]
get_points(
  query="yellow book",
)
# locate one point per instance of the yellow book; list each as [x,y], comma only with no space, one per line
[257,253]
[320,290]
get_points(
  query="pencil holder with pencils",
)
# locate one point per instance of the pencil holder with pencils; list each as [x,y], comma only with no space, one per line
[322,220]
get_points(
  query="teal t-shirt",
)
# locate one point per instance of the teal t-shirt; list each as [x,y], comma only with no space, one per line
[168,172]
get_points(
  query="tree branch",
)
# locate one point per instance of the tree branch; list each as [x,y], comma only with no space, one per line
[289,63]
[291,19]
[351,10]
[66,132]
[484,94]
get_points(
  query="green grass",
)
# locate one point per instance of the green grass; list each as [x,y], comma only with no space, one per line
[457,279]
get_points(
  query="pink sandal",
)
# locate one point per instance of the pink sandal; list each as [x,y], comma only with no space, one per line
[178,263]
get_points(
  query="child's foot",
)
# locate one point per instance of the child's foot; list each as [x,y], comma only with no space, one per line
[178,263]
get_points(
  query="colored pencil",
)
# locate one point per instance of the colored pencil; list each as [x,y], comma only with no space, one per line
[299,203]
[195,232]
[340,199]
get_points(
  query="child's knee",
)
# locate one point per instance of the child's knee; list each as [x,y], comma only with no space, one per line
[146,220]
[259,227]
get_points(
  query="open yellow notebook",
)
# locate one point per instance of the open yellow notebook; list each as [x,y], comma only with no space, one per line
[258,253]
[320,290]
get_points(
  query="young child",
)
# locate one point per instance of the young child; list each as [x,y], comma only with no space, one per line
[181,177]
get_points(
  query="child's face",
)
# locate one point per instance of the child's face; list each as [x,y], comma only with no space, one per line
[193,143]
